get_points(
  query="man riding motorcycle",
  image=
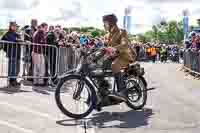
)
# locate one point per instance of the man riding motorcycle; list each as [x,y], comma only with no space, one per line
[118,40]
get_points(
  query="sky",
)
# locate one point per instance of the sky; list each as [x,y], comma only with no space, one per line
[68,13]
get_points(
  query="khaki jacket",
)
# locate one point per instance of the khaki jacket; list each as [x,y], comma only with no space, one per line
[119,39]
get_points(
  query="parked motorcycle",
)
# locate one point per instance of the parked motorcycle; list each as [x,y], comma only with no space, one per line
[174,56]
[93,81]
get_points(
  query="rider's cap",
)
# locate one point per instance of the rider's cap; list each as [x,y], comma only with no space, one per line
[111,18]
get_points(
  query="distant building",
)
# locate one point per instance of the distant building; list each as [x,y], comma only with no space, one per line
[127,19]
[185,23]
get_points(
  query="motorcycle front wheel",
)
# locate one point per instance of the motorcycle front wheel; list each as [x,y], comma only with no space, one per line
[75,96]
[137,94]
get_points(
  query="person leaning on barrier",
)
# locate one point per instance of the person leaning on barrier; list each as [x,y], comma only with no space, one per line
[52,53]
[39,41]
[198,42]
[30,30]
[60,37]
[28,37]
[63,50]
[72,44]
[13,52]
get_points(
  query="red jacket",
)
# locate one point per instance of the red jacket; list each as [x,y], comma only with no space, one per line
[39,39]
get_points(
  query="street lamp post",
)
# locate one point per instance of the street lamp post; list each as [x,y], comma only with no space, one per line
[185,24]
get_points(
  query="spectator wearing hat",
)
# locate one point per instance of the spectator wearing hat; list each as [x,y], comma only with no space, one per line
[29,32]
[13,52]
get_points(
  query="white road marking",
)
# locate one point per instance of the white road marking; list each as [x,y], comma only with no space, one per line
[30,97]
[37,113]
[21,129]
[24,109]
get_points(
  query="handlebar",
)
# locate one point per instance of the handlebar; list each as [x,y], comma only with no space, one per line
[95,55]
[87,52]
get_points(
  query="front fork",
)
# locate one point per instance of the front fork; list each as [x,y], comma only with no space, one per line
[78,90]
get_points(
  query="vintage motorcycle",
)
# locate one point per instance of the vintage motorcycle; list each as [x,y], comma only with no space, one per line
[91,83]
[174,55]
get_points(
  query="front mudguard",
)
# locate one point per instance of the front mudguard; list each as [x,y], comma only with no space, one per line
[89,83]
[67,73]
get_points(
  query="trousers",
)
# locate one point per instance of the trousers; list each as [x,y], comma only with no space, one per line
[39,68]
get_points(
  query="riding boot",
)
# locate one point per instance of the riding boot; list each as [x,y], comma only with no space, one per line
[119,78]
[121,87]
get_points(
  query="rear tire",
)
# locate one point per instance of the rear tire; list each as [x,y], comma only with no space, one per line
[141,89]
[92,97]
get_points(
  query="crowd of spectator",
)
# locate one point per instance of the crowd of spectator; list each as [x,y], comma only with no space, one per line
[192,50]
[39,56]
[160,52]
[193,41]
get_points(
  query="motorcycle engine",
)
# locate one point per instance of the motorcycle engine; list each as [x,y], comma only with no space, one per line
[135,69]
[103,87]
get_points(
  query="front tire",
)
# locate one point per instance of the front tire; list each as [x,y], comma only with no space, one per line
[91,97]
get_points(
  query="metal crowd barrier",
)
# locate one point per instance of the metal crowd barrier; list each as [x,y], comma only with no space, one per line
[192,61]
[68,59]
[24,60]
[35,61]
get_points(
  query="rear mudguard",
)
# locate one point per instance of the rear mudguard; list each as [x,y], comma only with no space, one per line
[144,81]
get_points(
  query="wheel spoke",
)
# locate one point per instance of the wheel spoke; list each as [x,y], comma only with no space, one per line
[136,95]
[74,106]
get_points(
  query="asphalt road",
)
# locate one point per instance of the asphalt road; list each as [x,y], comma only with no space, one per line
[173,107]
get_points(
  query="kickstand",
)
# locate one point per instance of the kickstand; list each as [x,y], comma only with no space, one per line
[85,126]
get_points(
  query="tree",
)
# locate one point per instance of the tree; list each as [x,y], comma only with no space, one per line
[171,32]
[162,37]
[142,38]
[87,29]
[66,29]
[180,33]
[95,33]
[150,36]
[103,32]
[75,29]
[198,22]
[132,37]
[165,32]
[154,33]
[2,32]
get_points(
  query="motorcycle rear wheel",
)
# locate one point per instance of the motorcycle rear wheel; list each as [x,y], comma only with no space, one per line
[139,89]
